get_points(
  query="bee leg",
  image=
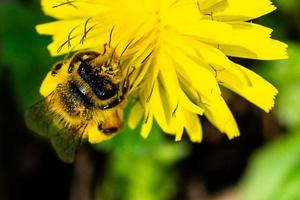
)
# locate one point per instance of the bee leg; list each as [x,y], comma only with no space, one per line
[72,63]
[107,131]
[56,68]
[112,124]
[82,133]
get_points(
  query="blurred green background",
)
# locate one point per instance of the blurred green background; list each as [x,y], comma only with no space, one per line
[262,164]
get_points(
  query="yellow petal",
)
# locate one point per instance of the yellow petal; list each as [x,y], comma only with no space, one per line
[189,105]
[243,39]
[251,86]
[179,132]
[249,40]
[51,81]
[72,8]
[209,6]
[147,125]
[193,126]
[72,40]
[237,10]
[62,27]
[205,30]
[218,113]
[167,77]
[178,121]
[136,114]
[161,109]
[197,77]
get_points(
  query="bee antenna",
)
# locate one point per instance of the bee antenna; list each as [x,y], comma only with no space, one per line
[127,46]
[126,80]
[113,54]
[110,36]
[143,62]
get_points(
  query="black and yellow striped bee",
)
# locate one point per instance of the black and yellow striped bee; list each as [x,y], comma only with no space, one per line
[84,100]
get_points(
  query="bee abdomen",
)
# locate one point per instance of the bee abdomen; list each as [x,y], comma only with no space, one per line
[74,102]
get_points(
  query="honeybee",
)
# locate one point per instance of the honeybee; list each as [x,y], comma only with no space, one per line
[84,100]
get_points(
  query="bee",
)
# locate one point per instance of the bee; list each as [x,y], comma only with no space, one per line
[84,100]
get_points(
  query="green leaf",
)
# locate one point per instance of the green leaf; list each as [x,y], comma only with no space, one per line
[287,4]
[274,172]
[141,168]
[22,51]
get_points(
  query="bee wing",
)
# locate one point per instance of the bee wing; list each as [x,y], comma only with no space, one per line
[65,140]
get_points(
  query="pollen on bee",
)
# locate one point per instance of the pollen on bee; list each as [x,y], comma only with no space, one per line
[79,110]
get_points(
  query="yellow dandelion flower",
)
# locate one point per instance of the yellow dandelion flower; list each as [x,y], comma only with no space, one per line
[180,52]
